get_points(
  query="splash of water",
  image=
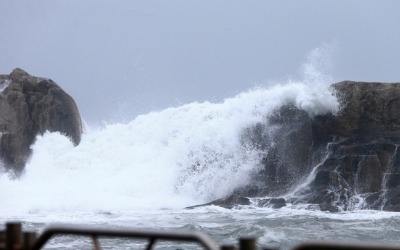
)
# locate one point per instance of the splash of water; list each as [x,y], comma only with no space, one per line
[172,158]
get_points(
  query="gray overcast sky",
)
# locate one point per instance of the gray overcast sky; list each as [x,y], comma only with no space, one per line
[122,58]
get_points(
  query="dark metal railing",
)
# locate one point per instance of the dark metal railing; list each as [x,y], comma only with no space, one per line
[152,236]
[13,238]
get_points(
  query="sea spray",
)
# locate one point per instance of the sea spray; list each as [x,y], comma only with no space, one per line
[123,173]
[173,158]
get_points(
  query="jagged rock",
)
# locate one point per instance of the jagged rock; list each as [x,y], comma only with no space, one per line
[272,202]
[362,157]
[30,106]
[228,202]
[348,160]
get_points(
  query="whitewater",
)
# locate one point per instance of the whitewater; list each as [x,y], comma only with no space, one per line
[142,174]
[173,158]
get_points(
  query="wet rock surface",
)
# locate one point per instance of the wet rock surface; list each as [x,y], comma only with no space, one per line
[30,106]
[339,161]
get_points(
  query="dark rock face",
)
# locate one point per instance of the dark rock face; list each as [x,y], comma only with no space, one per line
[30,106]
[362,159]
[347,160]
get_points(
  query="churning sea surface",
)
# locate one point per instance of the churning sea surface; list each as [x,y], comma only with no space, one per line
[142,174]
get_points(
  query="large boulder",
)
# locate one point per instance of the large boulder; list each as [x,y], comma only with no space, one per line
[30,106]
[348,160]
[361,167]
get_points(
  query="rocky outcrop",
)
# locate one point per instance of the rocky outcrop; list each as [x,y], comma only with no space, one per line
[30,106]
[347,160]
[361,167]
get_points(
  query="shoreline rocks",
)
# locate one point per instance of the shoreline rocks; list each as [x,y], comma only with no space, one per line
[344,161]
[30,106]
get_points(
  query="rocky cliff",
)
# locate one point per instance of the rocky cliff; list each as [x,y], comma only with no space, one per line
[30,106]
[349,160]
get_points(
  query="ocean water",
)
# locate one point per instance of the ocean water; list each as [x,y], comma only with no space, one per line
[283,228]
[142,174]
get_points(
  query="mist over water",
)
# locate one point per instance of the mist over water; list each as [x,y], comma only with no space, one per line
[172,158]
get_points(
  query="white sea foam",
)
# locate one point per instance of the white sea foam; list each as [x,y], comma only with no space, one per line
[173,158]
